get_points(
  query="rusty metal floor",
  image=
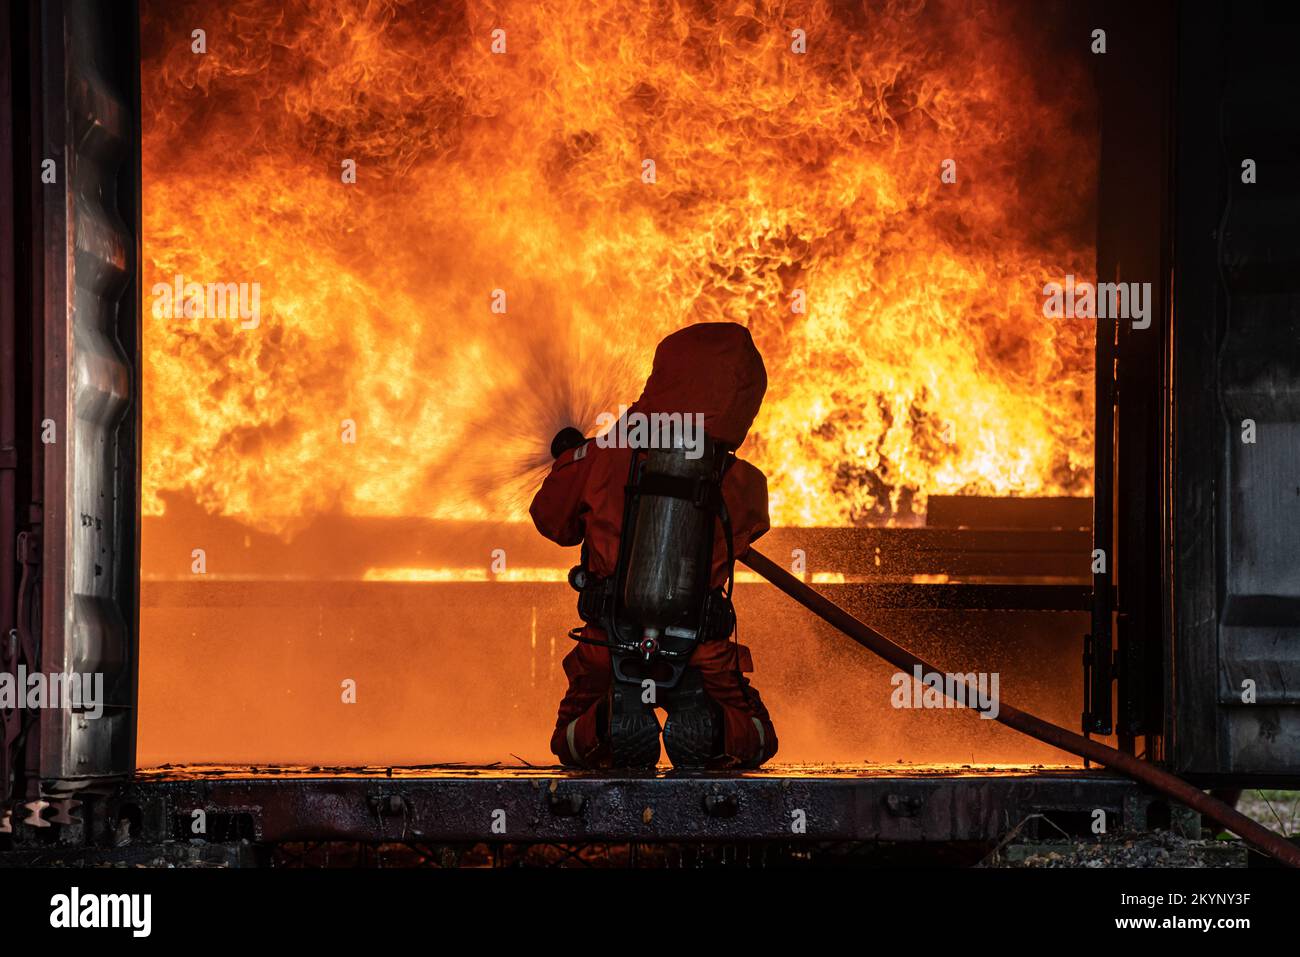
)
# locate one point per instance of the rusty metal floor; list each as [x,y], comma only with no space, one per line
[513,804]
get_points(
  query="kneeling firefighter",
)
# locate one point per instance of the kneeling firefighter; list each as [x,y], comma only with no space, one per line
[661,526]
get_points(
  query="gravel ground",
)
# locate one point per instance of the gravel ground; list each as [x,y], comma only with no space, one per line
[1155,849]
[1277,810]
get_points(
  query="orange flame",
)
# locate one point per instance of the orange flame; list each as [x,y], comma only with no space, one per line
[921,365]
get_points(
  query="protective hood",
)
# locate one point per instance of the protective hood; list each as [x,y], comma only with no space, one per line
[712,368]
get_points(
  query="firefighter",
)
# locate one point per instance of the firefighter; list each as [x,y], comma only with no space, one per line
[713,374]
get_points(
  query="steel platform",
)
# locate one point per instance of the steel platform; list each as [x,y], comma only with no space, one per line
[522,805]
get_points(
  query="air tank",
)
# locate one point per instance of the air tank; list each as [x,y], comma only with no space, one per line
[664,579]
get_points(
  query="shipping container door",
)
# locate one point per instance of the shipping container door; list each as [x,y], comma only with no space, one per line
[1235,508]
[86,122]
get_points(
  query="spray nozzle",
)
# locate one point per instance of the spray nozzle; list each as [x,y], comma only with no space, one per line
[565,439]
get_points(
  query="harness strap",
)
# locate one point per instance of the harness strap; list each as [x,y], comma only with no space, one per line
[702,492]
[598,601]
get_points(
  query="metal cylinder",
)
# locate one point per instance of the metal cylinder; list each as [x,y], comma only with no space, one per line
[665,579]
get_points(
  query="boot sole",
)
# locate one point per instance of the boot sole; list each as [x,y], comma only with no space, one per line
[688,737]
[635,740]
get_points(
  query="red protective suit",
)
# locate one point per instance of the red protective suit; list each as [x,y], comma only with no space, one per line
[709,368]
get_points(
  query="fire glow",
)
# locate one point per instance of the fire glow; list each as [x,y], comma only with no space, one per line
[921,363]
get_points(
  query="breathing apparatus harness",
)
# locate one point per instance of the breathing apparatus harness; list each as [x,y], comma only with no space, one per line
[690,611]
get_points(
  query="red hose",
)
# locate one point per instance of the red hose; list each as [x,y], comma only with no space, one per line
[1253,833]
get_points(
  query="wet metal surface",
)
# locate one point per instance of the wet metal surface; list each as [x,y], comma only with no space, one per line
[450,803]
[191,772]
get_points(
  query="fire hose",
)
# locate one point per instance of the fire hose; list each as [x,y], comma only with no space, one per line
[1253,833]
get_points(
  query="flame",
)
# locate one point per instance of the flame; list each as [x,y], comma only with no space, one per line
[921,365]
